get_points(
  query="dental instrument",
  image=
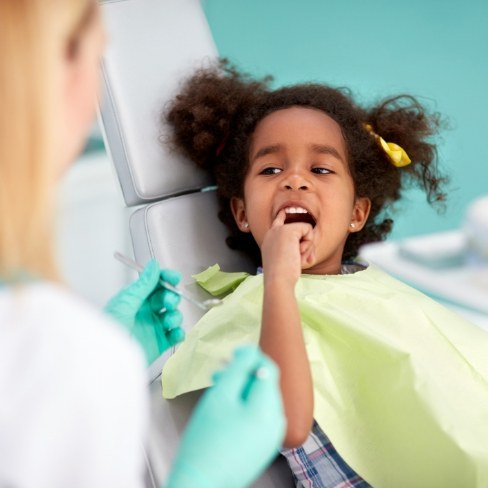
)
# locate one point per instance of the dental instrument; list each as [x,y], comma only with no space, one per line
[205,305]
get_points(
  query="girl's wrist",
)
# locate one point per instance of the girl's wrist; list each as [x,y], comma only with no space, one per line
[273,278]
[279,285]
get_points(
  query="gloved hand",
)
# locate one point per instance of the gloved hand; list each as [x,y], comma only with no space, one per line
[236,428]
[137,307]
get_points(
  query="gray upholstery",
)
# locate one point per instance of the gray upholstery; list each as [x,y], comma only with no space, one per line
[153,44]
[185,230]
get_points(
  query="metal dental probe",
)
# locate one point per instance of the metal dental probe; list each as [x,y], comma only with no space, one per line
[205,305]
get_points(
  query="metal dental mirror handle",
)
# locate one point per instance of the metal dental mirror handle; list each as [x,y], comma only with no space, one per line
[205,305]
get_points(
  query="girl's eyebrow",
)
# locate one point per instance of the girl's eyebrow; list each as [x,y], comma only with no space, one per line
[325,149]
[317,148]
[264,151]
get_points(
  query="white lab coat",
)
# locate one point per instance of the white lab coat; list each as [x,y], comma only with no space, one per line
[73,401]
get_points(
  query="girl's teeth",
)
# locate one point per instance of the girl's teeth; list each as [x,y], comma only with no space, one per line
[295,210]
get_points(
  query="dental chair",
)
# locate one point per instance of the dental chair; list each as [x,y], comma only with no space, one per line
[153,45]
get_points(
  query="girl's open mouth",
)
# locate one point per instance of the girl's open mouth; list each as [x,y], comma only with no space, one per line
[299,214]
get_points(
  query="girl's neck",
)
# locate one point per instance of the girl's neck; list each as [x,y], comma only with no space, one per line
[324,269]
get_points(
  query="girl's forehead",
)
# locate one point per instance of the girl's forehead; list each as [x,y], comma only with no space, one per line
[296,123]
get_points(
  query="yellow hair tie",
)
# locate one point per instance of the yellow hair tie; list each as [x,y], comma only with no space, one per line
[395,153]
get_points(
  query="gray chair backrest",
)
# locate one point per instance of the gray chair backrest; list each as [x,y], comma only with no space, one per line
[153,45]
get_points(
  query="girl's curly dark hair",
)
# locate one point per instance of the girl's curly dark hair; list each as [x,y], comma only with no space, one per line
[214,116]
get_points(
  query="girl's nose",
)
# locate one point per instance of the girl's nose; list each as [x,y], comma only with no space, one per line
[296,181]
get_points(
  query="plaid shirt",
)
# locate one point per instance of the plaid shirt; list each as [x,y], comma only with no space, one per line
[316,464]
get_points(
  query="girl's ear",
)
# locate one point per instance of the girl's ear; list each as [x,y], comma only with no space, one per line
[239,212]
[360,214]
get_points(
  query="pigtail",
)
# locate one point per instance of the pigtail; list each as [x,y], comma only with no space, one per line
[203,114]
[404,121]
[401,120]
[207,120]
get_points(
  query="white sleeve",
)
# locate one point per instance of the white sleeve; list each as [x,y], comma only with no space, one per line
[73,409]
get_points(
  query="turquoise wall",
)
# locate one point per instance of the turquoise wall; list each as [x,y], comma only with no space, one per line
[433,49]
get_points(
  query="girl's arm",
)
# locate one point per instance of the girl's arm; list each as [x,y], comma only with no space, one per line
[281,330]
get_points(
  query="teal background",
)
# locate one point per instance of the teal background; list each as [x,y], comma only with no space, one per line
[435,50]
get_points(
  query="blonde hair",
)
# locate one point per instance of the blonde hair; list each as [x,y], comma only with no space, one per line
[34,37]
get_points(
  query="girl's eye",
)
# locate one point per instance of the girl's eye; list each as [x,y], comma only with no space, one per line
[321,171]
[270,171]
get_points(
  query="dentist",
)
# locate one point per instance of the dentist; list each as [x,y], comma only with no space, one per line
[73,401]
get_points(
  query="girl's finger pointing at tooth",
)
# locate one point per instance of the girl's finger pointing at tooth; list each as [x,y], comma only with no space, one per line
[280,218]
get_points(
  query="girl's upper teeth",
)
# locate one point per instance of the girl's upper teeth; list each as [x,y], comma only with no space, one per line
[295,210]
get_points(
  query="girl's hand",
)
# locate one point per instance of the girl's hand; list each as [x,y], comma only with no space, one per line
[286,249]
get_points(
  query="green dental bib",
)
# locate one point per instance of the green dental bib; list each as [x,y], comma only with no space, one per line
[400,382]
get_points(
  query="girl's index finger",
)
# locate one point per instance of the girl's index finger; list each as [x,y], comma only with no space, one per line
[279,219]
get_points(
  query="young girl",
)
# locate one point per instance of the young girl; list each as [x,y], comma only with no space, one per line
[305,177]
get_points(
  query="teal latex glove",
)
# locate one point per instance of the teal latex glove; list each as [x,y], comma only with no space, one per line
[137,307]
[236,428]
